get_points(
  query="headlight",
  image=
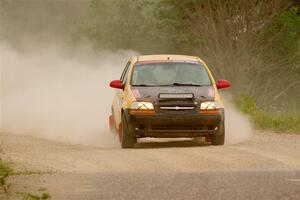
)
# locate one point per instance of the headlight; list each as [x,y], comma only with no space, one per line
[142,106]
[210,105]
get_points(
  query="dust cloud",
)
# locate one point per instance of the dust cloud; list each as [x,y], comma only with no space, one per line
[237,126]
[65,97]
[57,95]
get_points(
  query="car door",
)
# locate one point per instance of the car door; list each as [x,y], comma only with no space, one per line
[120,96]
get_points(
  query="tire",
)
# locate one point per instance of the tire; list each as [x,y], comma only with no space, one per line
[111,123]
[128,140]
[219,138]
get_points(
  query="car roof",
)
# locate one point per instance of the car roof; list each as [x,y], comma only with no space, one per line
[166,57]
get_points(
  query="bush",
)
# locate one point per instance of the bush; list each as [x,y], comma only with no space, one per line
[283,122]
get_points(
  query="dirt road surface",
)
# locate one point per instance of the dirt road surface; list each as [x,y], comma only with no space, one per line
[265,167]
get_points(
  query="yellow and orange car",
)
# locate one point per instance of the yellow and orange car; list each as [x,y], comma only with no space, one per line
[167,96]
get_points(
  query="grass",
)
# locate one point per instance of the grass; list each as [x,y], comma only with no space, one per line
[29,196]
[27,173]
[5,171]
[283,122]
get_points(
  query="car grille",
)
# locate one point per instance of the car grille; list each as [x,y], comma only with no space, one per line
[168,127]
[177,107]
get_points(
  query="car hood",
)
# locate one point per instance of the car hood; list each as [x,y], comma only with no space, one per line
[204,93]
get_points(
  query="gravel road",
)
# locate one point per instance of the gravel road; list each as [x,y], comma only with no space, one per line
[265,167]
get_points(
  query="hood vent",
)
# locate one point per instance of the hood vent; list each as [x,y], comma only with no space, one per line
[176,96]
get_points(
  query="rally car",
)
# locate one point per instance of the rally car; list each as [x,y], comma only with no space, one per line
[167,96]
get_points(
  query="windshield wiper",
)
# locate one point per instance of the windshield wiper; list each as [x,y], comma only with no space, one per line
[172,84]
[143,85]
[184,84]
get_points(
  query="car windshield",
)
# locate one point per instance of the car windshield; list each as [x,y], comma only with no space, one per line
[170,73]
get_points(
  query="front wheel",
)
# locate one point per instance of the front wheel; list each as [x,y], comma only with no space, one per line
[219,138]
[128,140]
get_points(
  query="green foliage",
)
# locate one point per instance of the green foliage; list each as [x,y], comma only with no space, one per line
[174,26]
[255,47]
[5,171]
[290,23]
[254,44]
[126,24]
[290,40]
[284,34]
[246,104]
[29,196]
[283,122]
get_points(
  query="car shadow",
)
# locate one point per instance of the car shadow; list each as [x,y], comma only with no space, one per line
[170,144]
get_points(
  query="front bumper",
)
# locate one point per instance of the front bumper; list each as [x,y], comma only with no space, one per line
[172,124]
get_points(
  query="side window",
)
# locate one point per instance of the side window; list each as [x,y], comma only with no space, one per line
[125,72]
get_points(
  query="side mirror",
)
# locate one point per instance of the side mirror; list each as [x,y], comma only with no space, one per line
[116,84]
[223,84]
